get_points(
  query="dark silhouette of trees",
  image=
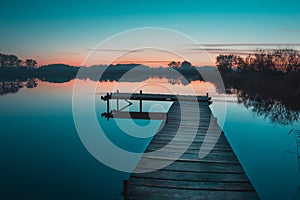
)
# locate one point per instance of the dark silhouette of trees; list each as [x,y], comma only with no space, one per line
[30,63]
[261,61]
[9,60]
[267,82]
[224,62]
[186,65]
[13,61]
[174,64]
[272,94]
[229,62]
[284,60]
[287,59]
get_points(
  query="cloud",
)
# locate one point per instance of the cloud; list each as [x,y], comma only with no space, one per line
[225,48]
[250,45]
[240,48]
[225,51]
[115,50]
[290,30]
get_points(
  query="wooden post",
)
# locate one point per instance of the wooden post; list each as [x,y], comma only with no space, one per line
[215,121]
[117,102]
[141,104]
[125,190]
[107,102]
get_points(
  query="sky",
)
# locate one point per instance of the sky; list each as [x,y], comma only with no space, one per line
[65,31]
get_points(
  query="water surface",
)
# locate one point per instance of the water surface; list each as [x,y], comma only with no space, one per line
[42,156]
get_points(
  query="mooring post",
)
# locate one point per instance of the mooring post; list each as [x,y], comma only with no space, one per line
[107,102]
[141,104]
[166,119]
[215,121]
[117,101]
[125,190]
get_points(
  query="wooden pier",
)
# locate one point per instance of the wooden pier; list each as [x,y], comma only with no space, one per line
[154,97]
[219,175]
[118,113]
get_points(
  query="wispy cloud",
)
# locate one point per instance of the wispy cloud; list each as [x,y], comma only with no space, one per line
[115,50]
[225,51]
[290,30]
[239,48]
[250,45]
[225,48]
[142,61]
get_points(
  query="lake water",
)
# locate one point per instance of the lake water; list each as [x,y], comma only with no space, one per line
[42,156]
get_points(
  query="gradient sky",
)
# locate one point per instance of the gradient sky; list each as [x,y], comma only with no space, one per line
[58,31]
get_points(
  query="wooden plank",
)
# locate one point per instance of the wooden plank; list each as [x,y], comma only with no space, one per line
[155,193]
[192,148]
[139,115]
[192,185]
[194,176]
[219,175]
[155,97]
[193,166]
[194,158]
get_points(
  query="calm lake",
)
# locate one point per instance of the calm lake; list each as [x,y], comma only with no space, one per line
[42,156]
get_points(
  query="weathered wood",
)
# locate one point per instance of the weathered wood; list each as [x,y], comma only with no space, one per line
[186,166]
[125,192]
[139,115]
[155,97]
[156,193]
[193,176]
[218,175]
[192,185]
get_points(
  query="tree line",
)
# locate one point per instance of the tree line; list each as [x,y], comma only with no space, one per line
[284,60]
[181,65]
[7,60]
[273,74]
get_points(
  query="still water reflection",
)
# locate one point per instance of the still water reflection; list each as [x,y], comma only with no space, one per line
[43,157]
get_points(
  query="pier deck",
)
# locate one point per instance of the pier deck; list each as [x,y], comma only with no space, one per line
[219,175]
[155,97]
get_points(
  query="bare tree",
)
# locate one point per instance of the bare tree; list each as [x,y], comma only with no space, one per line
[280,59]
[30,63]
[174,64]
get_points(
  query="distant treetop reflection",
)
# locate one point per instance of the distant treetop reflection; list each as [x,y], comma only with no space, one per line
[272,94]
[268,82]
[270,109]
[7,87]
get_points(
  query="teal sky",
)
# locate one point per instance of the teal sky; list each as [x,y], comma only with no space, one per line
[58,31]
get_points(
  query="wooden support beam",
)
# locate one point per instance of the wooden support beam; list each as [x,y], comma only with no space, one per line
[137,115]
[141,103]
[118,102]
[125,192]
[155,97]
[107,102]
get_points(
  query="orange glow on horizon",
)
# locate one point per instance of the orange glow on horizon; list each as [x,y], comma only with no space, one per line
[149,63]
[154,60]
[153,85]
[76,61]
[154,64]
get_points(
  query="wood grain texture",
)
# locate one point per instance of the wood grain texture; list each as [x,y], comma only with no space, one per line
[219,175]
